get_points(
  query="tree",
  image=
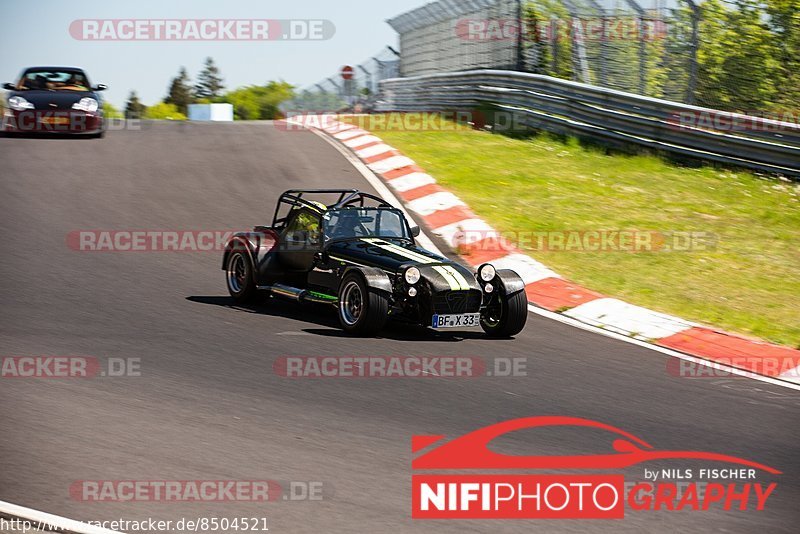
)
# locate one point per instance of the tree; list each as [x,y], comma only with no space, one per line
[737,57]
[110,112]
[134,109]
[180,92]
[737,63]
[785,23]
[259,101]
[548,38]
[164,111]
[209,82]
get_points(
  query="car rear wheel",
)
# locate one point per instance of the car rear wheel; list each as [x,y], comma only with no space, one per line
[507,315]
[239,275]
[361,312]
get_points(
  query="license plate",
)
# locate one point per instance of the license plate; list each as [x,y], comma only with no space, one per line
[54,120]
[463,320]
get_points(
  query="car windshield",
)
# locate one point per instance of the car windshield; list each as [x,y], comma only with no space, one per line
[346,223]
[54,80]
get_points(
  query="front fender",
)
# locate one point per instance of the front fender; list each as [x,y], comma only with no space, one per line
[376,279]
[512,282]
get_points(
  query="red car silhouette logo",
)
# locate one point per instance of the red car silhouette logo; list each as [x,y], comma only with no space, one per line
[471,450]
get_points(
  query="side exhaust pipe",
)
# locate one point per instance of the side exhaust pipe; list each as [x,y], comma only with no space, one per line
[298,295]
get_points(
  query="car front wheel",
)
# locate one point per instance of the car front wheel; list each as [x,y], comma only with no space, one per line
[506,315]
[361,312]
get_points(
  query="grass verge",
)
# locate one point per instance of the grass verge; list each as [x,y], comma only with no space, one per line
[748,283]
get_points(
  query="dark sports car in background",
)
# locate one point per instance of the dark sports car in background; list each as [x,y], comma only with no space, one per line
[54,100]
[354,251]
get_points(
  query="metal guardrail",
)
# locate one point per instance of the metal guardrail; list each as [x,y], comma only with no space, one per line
[567,107]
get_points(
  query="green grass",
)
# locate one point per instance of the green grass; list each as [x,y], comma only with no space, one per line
[749,284]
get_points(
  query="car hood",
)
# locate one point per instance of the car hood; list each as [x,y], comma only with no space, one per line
[53,100]
[396,255]
[390,255]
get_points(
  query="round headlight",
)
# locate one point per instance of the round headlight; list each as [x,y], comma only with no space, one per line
[18,103]
[412,275]
[487,272]
[86,104]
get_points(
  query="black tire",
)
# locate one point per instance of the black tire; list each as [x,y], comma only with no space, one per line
[361,312]
[239,277]
[508,317]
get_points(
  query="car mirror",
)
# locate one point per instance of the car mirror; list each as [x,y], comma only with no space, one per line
[9,86]
[100,87]
[415,231]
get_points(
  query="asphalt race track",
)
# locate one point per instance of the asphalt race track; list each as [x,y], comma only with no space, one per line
[208,405]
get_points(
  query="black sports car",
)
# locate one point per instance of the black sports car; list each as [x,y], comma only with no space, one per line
[354,251]
[54,100]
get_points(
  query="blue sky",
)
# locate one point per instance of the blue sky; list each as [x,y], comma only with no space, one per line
[37,33]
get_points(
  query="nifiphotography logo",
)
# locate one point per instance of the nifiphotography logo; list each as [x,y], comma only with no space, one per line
[573,496]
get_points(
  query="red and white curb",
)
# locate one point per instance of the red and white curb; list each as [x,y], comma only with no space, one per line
[451,219]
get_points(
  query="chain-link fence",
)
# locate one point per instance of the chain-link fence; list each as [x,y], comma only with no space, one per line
[456,35]
[359,93]
[738,55]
